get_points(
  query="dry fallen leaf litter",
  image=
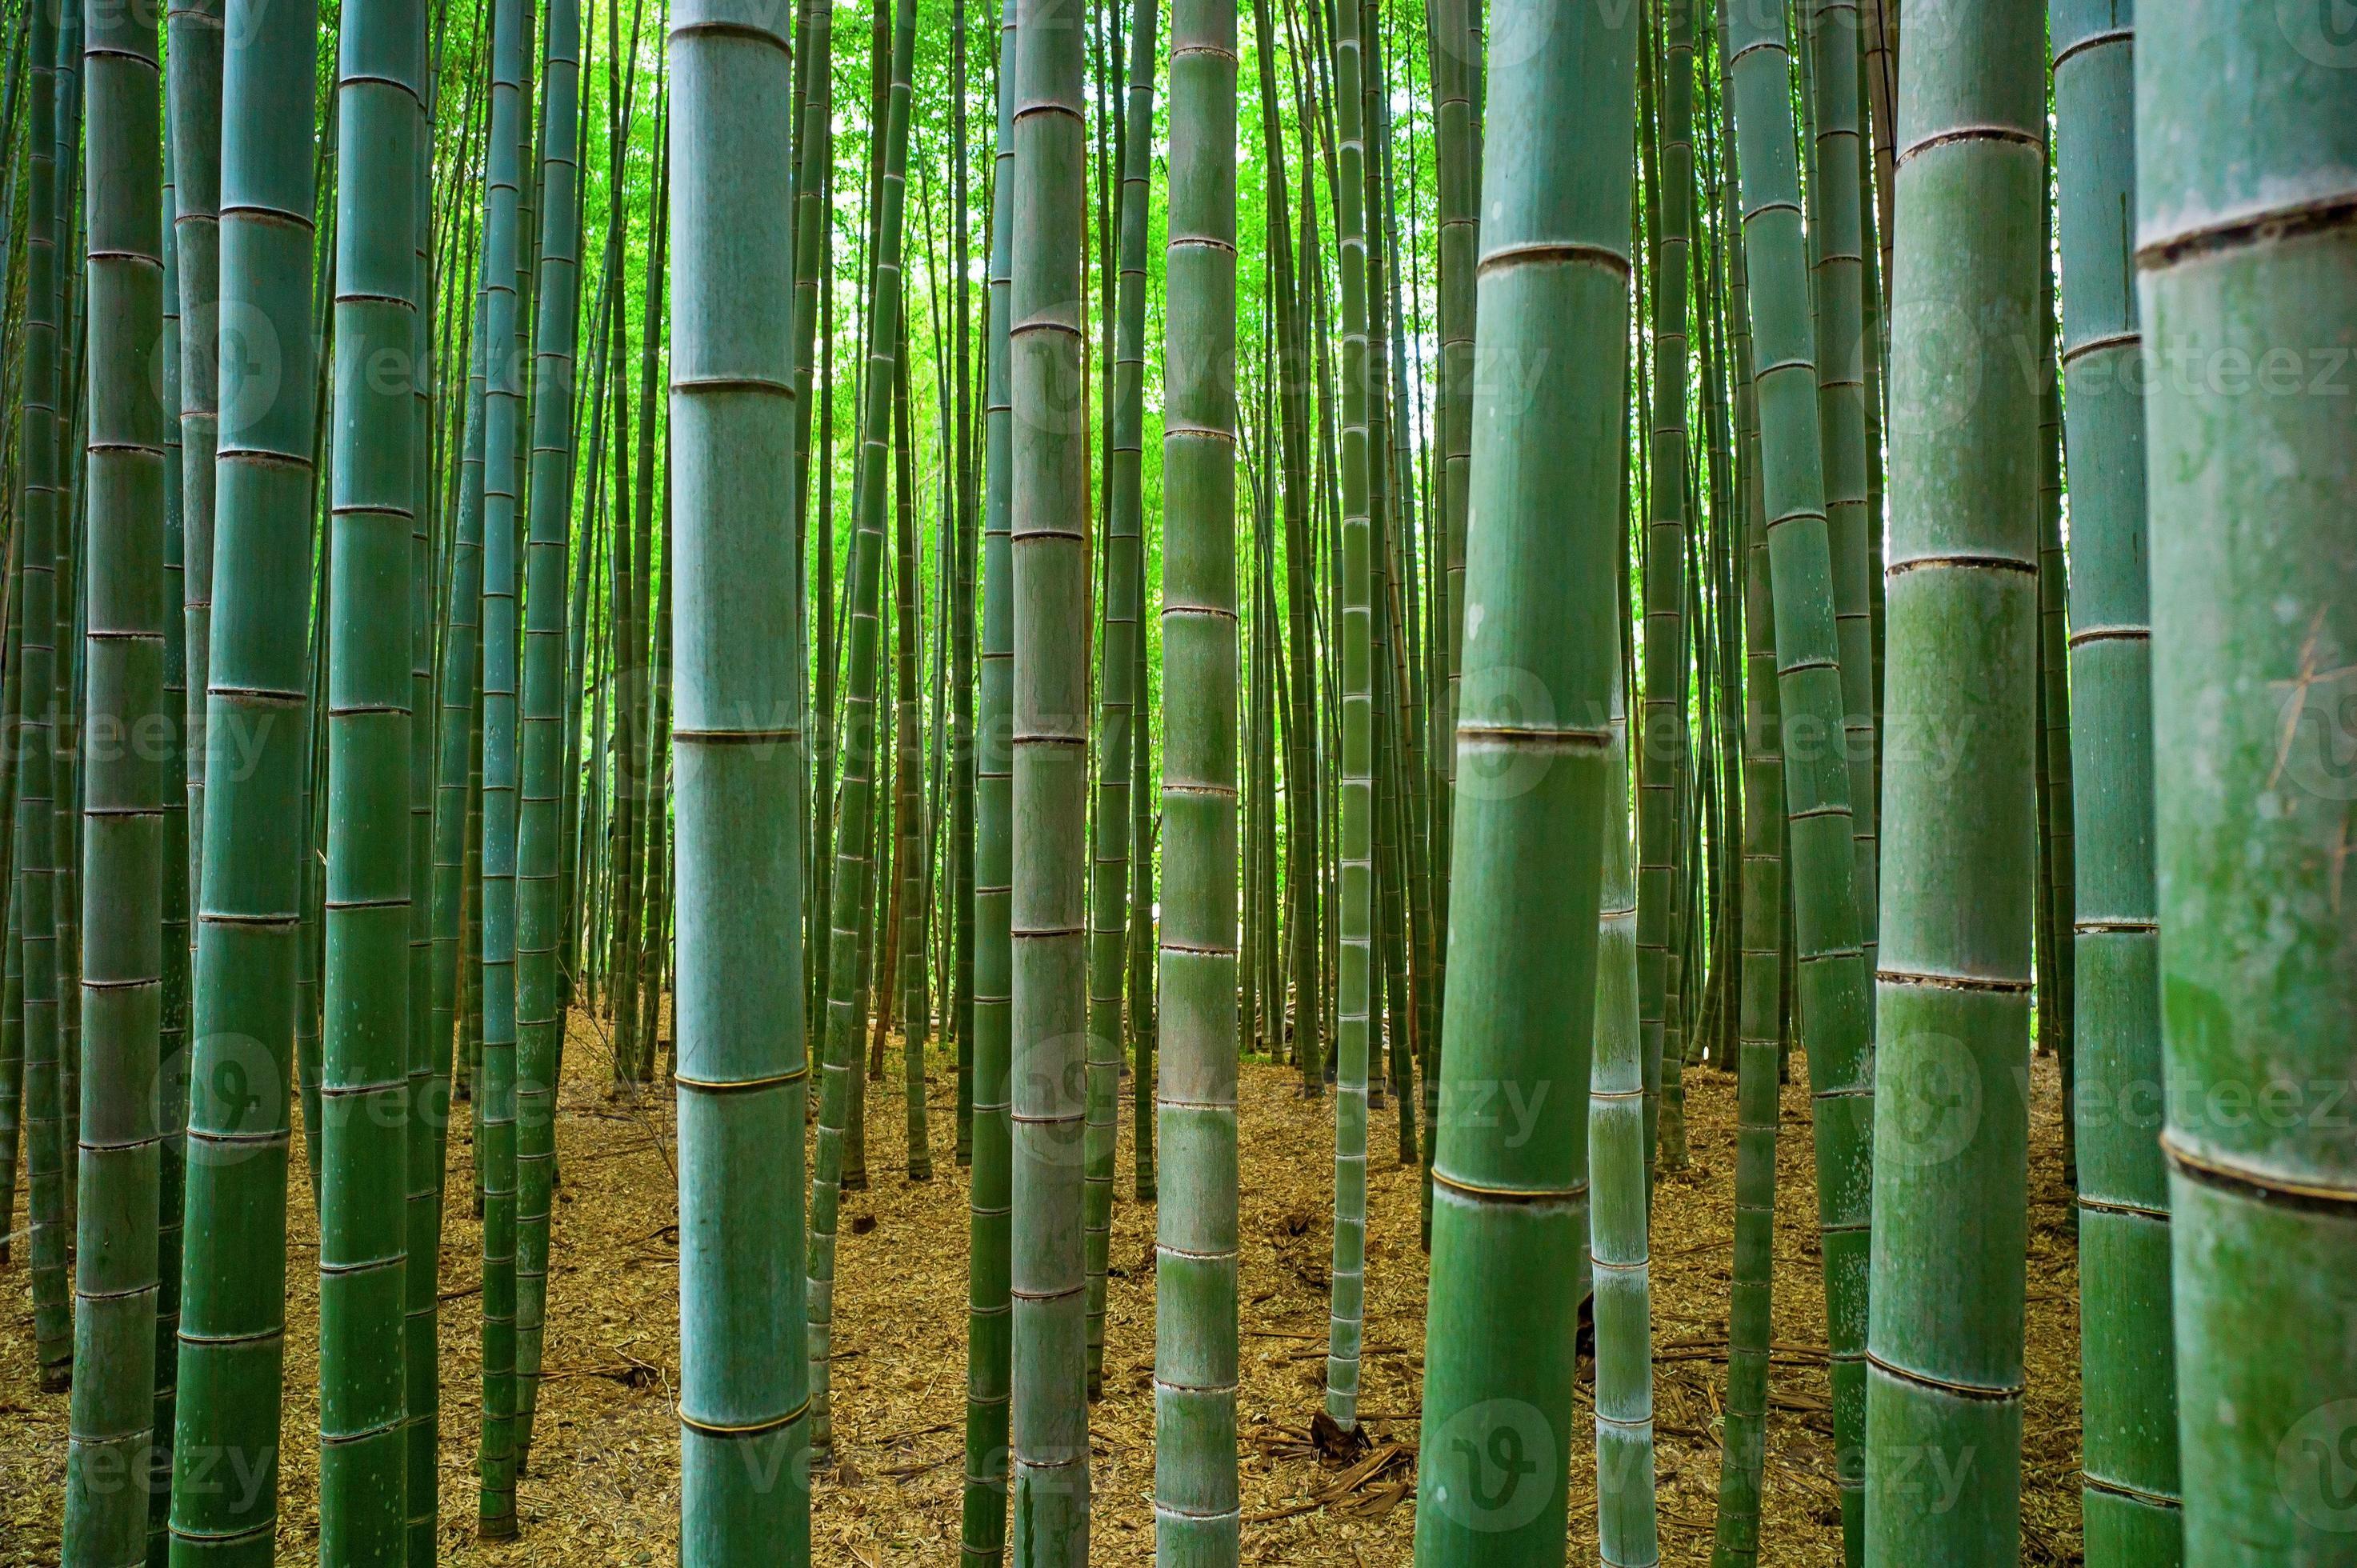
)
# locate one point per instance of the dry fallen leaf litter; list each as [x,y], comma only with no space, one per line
[603,1486]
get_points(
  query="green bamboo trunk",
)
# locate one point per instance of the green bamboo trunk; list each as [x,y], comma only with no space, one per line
[1759,1079]
[12,738]
[1415,1017]
[249,914]
[363,1085]
[579,676]
[1197,1516]
[1533,737]
[1835,210]
[1619,1244]
[1048,916]
[313,807]
[36,882]
[495,1084]
[1385,978]
[2058,856]
[540,1020]
[12,999]
[1661,784]
[454,792]
[963,587]
[470,1045]
[172,1037]
[818,980]
[196,107]
[988,1308]
[814,153]
[1944,1334]
[1354,819]
[2246,133]
[1117,695]
[742,1073]
[1830,988]
[1302,837]
[1140,1014]
[455,885]
[65,784]
[12,1035]
[653,960]
[111,1420]
[854,869]
[428,1094]
[911,858]
[633,760]
[2131,1491]
[1456,69]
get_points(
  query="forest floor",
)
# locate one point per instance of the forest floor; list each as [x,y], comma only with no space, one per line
[603,1487]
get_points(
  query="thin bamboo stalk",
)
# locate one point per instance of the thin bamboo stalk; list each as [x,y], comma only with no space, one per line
[1620,1243]
[195,68]
[42,509]
[1116,693]
[1832,992]
[540,1021]
[853,863]
[495,1139]
[1355,817]
[1837,200]
[988,1307]
[1662,739]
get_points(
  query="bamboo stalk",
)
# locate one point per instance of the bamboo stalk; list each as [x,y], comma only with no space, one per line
[1510,1199]
[988,1307]
[495,1138]
[1830,988]
[1944,1336]
[37,884]
[746,1420]
[1198,1516]
[540,1021]
[2132,1494]
[853,866]
[195,73]
[1620,1243]
[1049,546]
[1117,694]
[364,1094]
[109,1421]
[2245,248]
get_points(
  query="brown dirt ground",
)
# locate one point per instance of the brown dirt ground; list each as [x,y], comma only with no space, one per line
[604,1489]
